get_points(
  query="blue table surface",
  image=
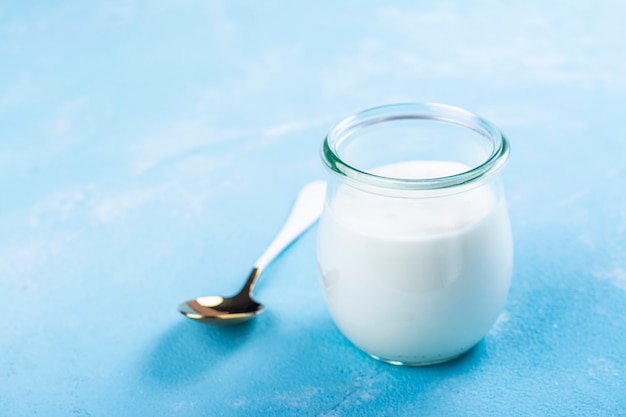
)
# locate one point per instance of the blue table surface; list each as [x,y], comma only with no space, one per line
[149,151]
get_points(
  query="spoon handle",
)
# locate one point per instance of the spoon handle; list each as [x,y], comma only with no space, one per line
[306,210]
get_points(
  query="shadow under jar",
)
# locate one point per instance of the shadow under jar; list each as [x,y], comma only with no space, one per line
[414,244]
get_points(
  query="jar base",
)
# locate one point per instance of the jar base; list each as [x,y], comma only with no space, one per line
[415,364]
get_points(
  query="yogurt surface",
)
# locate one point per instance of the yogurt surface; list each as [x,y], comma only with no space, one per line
[415,280]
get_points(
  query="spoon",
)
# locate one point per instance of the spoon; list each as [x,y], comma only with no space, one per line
[240,307]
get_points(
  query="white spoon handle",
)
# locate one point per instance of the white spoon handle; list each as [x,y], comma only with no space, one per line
[306,210]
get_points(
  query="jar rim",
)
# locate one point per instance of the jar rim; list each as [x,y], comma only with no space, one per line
[406,111]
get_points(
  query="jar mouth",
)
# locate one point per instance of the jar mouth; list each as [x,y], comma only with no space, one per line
[494,160]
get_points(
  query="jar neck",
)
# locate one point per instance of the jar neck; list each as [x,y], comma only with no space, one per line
[348,132]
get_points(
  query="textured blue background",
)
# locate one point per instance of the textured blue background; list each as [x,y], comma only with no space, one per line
[150,150]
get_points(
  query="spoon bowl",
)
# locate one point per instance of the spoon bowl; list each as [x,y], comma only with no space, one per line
[216,310]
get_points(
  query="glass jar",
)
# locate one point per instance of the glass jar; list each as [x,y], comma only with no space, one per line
[414,244]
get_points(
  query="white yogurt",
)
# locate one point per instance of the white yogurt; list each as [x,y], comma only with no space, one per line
[415,280]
